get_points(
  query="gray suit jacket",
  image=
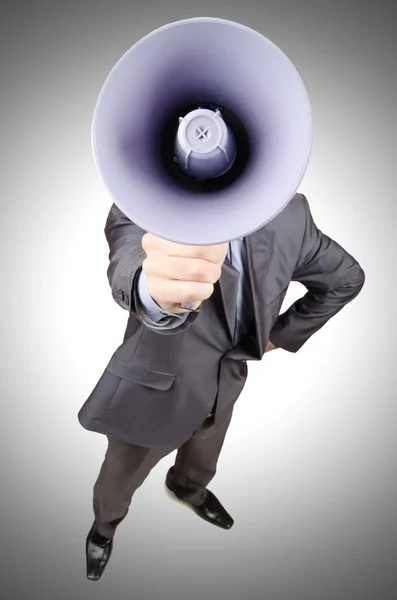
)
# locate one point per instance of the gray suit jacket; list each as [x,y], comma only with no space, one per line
[159,385]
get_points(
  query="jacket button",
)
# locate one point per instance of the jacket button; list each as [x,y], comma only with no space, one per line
[120,294]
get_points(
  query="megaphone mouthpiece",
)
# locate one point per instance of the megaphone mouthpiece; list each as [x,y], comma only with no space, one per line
[204,145]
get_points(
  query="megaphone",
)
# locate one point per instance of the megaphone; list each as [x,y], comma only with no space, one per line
[202,131]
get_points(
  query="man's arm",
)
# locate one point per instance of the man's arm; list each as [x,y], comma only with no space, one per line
[332,277]
[126,256]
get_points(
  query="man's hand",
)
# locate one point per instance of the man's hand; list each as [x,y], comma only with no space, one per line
[181,273]
[270,346]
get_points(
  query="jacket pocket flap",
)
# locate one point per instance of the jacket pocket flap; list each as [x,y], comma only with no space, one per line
[153,379]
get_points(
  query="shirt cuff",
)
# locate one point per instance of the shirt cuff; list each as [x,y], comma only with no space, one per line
[152,309]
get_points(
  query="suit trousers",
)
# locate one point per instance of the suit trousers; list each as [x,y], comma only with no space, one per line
[126,466]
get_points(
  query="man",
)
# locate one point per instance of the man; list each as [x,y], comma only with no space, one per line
[173,382]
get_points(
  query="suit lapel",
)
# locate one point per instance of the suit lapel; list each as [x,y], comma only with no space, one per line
[259,249]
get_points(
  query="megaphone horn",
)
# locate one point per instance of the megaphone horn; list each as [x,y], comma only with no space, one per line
[202,131]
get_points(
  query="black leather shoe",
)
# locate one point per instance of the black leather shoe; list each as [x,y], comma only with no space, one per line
[211,510]
[98,550]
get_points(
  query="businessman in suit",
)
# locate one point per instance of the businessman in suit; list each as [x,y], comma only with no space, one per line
[173,382]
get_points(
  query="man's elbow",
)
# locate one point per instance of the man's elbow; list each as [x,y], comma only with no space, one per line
[359,278]
[354,282]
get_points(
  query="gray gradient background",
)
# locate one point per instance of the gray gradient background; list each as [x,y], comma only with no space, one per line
[308,469]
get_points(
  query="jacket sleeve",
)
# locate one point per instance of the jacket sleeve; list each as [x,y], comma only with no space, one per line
[126,256]
[332,277]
